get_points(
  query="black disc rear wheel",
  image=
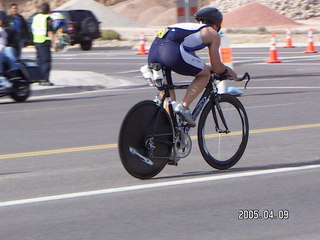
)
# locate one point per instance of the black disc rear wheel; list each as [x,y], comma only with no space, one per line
[145,140]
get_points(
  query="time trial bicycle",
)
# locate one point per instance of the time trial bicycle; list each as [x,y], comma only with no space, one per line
[152,137]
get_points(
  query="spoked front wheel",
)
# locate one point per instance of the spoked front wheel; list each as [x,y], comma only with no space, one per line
[223,142]
[145,140]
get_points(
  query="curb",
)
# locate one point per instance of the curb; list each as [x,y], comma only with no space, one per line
[78,81]
[63,90]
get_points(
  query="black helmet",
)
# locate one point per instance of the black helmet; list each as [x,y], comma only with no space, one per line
[209,15]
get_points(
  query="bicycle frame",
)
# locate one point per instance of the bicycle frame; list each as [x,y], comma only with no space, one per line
[210,90]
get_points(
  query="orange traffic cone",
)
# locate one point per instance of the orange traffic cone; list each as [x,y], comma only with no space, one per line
[310,48]
[289,39]
[226,55]
[226,59]
[142,45]
[273,53]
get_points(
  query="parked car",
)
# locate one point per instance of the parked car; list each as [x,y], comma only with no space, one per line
[80,27]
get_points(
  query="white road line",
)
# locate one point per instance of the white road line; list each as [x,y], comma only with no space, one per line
[287,63]
[116,89]
[156,185]
[266,78]
[125,72]
[97,58]
[298,87]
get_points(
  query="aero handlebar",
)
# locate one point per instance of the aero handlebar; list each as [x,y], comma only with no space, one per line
[221,77]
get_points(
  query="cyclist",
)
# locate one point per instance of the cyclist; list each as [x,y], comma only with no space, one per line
[174,49]
[58,24]
[58,21]
[8,66]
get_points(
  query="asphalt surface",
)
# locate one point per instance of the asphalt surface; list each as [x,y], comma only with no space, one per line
[61,176]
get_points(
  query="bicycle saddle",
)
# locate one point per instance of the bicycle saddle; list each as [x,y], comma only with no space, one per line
[156,66]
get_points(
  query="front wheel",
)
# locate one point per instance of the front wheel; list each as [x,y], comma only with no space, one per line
[145,140]
[20,91]
[223,146]
[86,45]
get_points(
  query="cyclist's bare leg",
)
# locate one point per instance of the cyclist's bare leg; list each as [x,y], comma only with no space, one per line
[173,98]
[196,87]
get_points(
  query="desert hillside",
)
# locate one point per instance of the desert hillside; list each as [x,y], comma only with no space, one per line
[294,9]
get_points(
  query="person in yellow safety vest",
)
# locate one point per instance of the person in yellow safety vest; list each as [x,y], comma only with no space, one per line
[43,36]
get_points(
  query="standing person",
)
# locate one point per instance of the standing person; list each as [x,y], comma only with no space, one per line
[8,68]
[5,58]
[174,48]
[18,30]
[43,36]
[8,50]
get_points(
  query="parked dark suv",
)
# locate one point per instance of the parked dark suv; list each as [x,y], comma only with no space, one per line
[81,26]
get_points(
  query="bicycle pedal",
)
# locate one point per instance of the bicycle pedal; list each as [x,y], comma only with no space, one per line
[172,163]
[187,124]
[183,123]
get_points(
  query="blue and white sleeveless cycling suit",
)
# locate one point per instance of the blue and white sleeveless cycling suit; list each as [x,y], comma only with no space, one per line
[174,48]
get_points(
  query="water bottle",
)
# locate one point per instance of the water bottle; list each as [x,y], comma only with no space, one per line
[157,76]
[147,74]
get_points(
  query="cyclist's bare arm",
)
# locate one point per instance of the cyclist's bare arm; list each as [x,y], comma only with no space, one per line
[212,39]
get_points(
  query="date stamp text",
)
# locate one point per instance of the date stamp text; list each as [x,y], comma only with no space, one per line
[256,214]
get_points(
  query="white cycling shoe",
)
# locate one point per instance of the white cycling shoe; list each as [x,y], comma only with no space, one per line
[185,114]
[4,83]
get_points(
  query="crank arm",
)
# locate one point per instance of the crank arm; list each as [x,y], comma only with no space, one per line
[143,158]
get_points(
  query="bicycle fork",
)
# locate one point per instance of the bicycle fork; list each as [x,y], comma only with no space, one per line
[216,105]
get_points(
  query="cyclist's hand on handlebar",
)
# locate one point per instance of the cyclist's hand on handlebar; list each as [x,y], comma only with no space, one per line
[225,76]
[230,73]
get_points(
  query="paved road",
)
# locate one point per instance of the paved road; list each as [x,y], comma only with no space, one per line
[61,177]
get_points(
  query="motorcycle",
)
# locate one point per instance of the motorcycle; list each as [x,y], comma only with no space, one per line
[18,81]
